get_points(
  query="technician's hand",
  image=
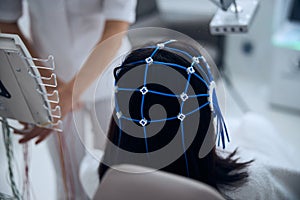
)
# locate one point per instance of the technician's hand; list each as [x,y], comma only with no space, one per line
[29,132]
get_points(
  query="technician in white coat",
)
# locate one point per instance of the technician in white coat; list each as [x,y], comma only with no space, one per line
[72,31]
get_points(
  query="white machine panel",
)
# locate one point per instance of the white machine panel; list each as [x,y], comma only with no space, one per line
[23,94]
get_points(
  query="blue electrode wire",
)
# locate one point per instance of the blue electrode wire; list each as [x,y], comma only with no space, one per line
[174,65]
[128,89]
[220,126]
[167,119]
[197,109]
[181,125]
[184,149]
[190,56]
[137,62]
[186,89]
[162,120]
[162,93]
[130,119]
[180,67]
[119,120]
[145,137]
[169,64]
[204,74]
[143,98]
[198,95]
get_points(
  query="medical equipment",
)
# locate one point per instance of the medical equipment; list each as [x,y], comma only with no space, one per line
[285,78]
[23,94]
[233,16]
[196,69]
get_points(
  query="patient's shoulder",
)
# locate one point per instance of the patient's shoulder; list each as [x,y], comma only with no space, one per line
[262,183]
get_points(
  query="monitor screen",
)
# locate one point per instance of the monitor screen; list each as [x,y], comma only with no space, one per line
[295,11]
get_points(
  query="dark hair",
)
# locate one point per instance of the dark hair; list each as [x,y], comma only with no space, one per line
[212,169]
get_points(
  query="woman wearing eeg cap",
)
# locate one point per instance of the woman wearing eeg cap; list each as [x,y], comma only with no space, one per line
[172,94]
[167,117]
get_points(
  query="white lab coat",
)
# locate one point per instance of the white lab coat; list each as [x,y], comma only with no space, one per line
[68,30]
